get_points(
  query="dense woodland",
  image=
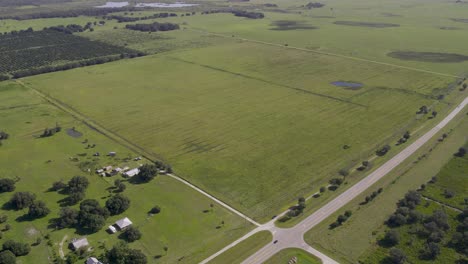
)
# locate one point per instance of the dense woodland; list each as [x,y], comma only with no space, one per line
[239,13]
[153,27]
[45,48]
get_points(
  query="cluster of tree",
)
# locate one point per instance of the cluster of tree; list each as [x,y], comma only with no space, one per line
[91,12]
[432,228]
[364,165]
[119,185]
[73,65]
[69,29]
[239,13]
[122,19]
[22,200]
[19,32]
[371,197]
[461,152]
[4,77]
[295,210]
[341,219]
[7,257]
[252,15]
[48,132]
[464,86]
[163,166]
[16,248]
[383,150]
[153,27]
[131,234]
[122,254]
[311,5]
[92,216]
[423,110]
[459,239]
[147,172]
[335,183]
[7,185]
[57,51]
[405,138]
[270,5]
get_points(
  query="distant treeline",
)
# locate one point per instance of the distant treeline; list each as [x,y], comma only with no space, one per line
[239,13]
[153,27]
[122,19]
[30,2]
[73,65]
[94,12]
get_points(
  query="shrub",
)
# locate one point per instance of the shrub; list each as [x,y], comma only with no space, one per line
[392,237]
[78,184]
[155,210]
[117,204]
[322,189]
[58,185]
[131,234]
[397,256]
[17,248]
[38,209]
[21,200]
[7,257]
[7,185]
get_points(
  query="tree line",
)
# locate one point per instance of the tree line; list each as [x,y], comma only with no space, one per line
[153,27]
[239,13]
[122,19]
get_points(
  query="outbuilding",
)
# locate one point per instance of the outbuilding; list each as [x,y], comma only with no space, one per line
[123,223]
[93,260]
[132,172]
[78,243]
[112,229]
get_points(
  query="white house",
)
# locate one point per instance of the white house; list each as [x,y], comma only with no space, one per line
[123,223]
[132,172]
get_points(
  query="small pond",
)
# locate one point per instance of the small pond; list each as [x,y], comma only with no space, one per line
[351,85]
[164,5]
[113,5]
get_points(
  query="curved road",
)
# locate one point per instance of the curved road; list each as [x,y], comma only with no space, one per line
[294,237]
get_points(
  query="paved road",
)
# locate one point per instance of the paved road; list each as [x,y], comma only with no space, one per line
[294,237]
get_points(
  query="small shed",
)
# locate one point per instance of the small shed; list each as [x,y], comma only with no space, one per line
[123,223]
[78,243]
[112,229]
[112,153]
[93,260]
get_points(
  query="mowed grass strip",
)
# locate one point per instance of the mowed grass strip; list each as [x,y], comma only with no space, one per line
[244,249]
[255,138]
[301,256]
[187,224]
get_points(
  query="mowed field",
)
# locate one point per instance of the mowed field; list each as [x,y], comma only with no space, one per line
[189,233]
[255,125]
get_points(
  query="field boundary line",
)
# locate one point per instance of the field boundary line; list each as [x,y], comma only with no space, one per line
[127,144]
[327,53]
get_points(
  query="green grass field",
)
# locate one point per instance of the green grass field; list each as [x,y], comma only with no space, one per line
[285,255]
[190,234]
[218,123]
[354,240]
[244,249]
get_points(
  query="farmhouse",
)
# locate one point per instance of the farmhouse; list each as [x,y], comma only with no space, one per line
[78,243]
[132,172]
[93,260]
[123,223]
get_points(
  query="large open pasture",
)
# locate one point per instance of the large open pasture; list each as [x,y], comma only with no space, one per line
[253,124]
[189,233]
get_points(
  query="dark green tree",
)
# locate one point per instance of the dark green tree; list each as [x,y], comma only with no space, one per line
[117,204]
[7,185]
[147,172]
[21,200]
[38,209]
